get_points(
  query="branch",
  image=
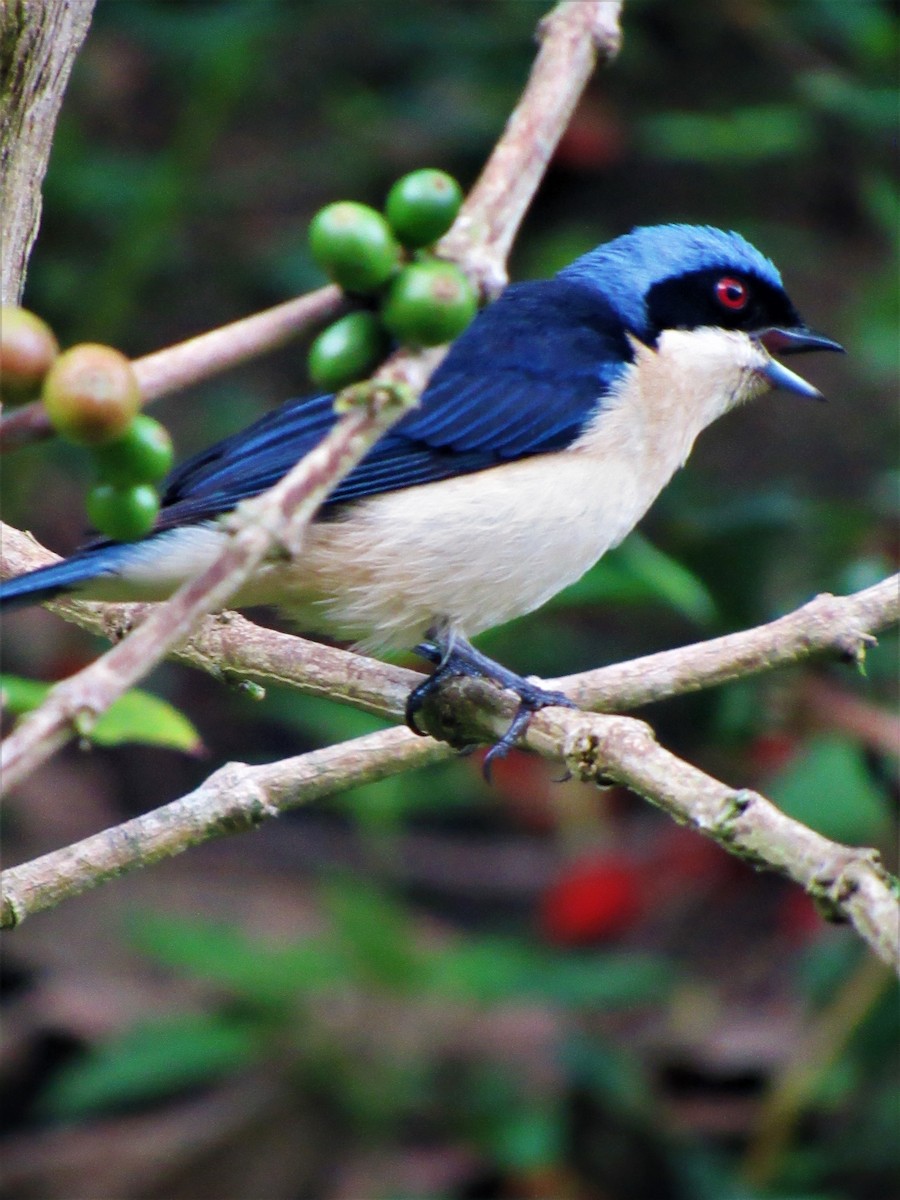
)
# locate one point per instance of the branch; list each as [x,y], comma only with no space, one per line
[572,37]
[39,40]
[197,359]
[849,883]
[231,647]
[233,799]
[841,625]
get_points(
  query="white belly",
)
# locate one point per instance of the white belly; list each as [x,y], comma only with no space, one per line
[475,551]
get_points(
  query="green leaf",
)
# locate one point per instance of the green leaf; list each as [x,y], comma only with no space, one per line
[149,1061]
[495,970]
[829,789]
[375,933]
[638,573]
[137,716]
[598,981]
[263,974]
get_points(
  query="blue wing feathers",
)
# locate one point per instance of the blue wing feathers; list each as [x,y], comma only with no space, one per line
[522,380]
[525,379]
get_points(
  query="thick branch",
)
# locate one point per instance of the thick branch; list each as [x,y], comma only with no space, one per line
[849,883]
[39,40]
[231,646]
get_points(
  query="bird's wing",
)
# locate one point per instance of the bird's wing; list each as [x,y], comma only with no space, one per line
[522,380]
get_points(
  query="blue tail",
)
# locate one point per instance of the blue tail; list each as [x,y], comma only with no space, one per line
[70,574]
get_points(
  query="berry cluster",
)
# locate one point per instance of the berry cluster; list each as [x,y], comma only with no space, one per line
[92,398]
[91,393]
[421,300]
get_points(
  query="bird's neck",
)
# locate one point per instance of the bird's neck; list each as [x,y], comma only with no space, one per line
[668,395]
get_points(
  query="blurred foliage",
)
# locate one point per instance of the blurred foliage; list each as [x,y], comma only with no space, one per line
[196,141]
[370,950]
[135,717]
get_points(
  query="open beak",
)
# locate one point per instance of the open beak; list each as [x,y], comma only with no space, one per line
[792,341]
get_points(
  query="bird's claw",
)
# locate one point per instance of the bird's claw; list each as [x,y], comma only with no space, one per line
[462,659]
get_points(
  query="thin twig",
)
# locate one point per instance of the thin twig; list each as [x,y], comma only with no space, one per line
[197,359]
[841,625]
[795,1085]
[572,37]
[848,883]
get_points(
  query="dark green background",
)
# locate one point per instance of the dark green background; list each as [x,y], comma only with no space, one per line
[195,143]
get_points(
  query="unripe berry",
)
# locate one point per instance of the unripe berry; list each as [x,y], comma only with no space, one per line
[347,351]
[143,455]
[91,394]
[429,303]
[354,245]
[27,351]
[123,514]
[422,206]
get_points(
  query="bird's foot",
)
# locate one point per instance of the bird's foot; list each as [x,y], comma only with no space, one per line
[460,658]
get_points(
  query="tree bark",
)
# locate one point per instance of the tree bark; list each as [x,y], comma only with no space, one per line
[38,43]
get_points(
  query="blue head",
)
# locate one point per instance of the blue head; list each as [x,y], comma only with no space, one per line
[662,277]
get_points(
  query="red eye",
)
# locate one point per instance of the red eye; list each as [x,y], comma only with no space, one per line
[731,293]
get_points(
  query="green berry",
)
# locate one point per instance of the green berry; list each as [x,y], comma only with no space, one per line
[143,455]
[123,514]
[347,350]
[422,206]
[354,245]
[429,303]
[91,394]
[27,351]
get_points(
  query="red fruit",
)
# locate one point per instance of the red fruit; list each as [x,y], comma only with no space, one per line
[595,899]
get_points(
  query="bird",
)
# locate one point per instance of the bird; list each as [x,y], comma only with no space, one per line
[548,430]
